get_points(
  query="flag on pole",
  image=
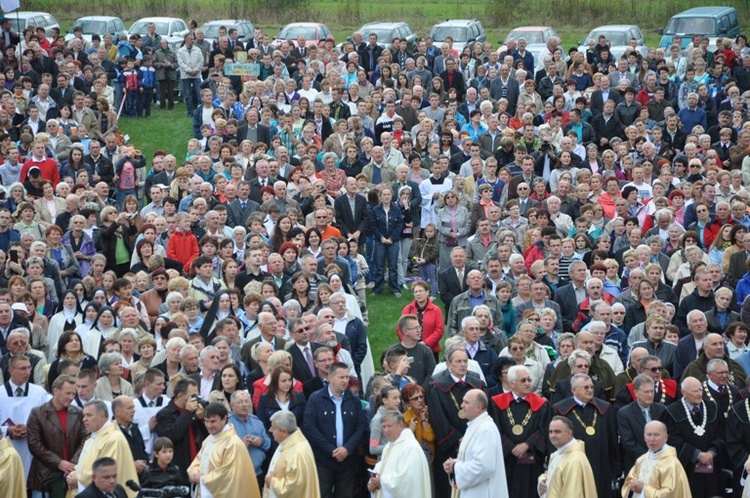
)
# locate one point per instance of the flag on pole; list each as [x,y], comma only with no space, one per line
[10,5]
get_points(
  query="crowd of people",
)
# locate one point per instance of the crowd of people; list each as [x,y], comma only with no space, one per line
[575,237]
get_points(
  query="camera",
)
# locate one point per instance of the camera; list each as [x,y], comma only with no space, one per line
[200,400]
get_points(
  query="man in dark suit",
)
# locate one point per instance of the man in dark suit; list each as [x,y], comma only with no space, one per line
[252,130]
[104,481]
[353,224]
[527,176]
[633,417]
[300,48]
[209,376]
[369,55]
[242,207]
[738,263]
[569,296]
[323,358]
[452,278]
[262,179]
[302,349]
[167,174]
[599,97]
[504,86]
[267,327]
[606,125]
[124,409]
[453,78]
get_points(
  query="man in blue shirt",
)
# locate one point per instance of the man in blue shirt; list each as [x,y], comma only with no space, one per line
[335,425]
[250,429]
[692,115]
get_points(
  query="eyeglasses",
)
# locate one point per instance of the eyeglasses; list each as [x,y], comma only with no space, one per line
[618,312]
[654,369]
[416,397]
[518,349]
[523,188]
[587,387]
[160,277]
[582,366]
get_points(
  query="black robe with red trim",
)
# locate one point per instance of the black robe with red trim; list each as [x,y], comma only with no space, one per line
[449,428]
[523,472]
[602,449]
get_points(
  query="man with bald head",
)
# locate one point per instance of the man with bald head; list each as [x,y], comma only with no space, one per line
[658,472]
[632,370]
[713,348]
[479,468]
[696,430]
[124,411]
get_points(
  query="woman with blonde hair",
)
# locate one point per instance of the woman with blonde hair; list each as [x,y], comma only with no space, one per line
[260,386]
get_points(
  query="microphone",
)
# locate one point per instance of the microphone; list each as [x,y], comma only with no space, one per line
[133,485]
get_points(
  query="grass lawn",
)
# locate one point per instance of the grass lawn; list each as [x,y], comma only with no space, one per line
[170,131]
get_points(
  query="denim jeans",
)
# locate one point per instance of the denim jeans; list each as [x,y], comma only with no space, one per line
[370,255]
[191,92]
[385,253]
[120,196]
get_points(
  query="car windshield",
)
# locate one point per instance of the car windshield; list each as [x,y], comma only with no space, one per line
[18,25]
[292,32]
[212,30]
[691,26]
[441,32]
[91,27]
[531,37]
[139,27]
[616,38]
[384,35]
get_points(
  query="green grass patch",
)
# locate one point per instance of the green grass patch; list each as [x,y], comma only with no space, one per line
[170,131]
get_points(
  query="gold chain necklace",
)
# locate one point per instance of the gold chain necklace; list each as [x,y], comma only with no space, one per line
[729,392]
[590,430]
[517,429]
[461,413]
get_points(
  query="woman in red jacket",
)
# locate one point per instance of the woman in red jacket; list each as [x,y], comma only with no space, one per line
[430,316]
[183,245]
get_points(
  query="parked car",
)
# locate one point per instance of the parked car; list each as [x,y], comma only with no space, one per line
[619,36]
[173,29]
[99,25]
[315,33]
[245,29]
[713,22]
[387,31]
[536,40]
[463,32]
[23,19]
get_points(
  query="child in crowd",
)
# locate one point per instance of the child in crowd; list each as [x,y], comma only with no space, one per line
[425,253]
